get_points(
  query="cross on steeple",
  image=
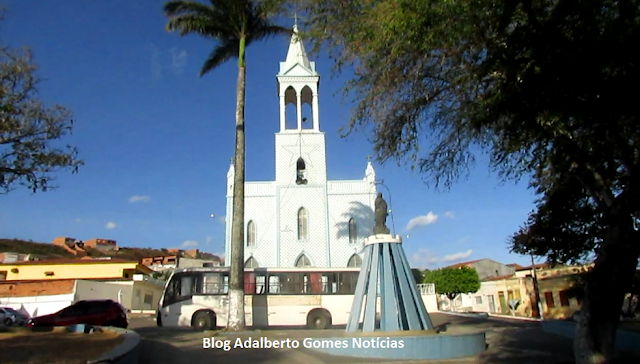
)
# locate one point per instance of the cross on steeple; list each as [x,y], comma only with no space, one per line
[231,160]
[368,158]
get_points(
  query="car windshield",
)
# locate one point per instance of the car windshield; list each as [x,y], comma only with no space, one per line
[11,310]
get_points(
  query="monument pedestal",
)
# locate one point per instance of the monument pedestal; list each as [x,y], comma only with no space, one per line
[386,274]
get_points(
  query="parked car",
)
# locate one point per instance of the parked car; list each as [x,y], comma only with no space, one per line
[12,317]
[91,312]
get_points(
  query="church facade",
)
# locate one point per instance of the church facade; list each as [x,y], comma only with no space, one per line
[302,219]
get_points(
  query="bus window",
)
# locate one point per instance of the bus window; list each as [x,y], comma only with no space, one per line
[179,289]
[249,283]
[316,282]
[213,283]
[274,284]
[347,282]
[260,284]
[293,283]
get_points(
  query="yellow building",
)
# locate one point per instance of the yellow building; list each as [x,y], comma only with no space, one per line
[72,269]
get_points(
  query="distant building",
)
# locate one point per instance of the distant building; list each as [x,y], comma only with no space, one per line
[71,245]
[71,269]
[104,245]
[11,257]
[487,268]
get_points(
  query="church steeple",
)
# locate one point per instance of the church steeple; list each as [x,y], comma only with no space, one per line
[297,54]
[298,85]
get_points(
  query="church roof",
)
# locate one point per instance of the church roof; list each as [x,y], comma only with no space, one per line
[297,56]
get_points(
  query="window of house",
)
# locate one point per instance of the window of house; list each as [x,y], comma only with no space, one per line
[303,224]
[564,298]
[478,300]
[3,275]
[353,231]
[548,297]
[251,233]
[303,261]
[355,261]
[148,298]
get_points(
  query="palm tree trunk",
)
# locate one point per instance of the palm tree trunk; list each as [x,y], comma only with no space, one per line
[236,318]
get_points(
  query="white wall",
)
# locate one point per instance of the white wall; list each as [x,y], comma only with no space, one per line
[38,305]
[117,291]
[487,289]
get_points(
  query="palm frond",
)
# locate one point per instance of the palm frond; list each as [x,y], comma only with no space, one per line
[267,31]
[178,7]
[222,53]
[192,23]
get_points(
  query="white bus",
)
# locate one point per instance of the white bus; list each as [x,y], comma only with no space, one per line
[315,297]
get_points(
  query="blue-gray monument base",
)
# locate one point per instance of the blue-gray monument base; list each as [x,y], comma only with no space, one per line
[422,347]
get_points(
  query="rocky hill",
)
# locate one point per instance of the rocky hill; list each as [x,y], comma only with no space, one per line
[50,251]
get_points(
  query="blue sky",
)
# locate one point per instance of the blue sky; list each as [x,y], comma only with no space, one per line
[157,140]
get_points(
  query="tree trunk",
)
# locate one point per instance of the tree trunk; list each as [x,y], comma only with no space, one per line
[236,318]
[604,292]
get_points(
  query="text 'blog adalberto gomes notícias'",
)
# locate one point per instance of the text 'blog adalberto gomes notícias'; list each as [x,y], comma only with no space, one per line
[265,343]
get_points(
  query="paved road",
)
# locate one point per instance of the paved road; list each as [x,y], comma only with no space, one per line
[510,341]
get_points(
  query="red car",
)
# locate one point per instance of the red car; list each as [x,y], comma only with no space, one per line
[90,312]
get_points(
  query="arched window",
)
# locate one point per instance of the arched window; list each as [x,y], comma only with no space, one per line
[251,263]
[301,172]
[251,233]
[303,261]
[353,231]
[355,261]
[303,223]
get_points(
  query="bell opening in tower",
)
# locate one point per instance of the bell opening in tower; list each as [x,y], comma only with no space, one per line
[301,172]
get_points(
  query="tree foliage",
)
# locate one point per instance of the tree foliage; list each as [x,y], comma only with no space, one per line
[29,153]
[453,281]
[418,275]
[540,86]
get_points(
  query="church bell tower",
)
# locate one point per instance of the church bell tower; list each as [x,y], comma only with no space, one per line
[300,145]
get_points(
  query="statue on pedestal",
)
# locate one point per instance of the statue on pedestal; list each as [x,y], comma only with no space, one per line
[382,211]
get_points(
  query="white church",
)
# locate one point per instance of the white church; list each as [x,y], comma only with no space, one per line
[302,219]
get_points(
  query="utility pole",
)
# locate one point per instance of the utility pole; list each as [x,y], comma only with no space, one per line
[535,287]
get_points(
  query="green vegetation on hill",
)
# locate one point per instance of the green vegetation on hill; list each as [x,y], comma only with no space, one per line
[30,247]
[50,251]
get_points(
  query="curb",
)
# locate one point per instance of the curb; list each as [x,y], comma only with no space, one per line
[515,318]
[480,315]
[484,315]
[127,352]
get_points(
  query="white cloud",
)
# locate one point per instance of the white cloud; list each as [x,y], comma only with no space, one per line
[423,220]
[138,198]
[221,219]
[424,258]
[450,214]
[178,60]
[457,256]
[189,244]
[110,225]
[208,240]
[78,220]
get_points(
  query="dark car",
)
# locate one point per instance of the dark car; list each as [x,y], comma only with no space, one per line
[91,312]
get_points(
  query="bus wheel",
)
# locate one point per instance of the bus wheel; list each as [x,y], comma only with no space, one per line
[202,320]
[319,319]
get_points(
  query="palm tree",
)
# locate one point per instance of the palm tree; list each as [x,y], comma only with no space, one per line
[233,25]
